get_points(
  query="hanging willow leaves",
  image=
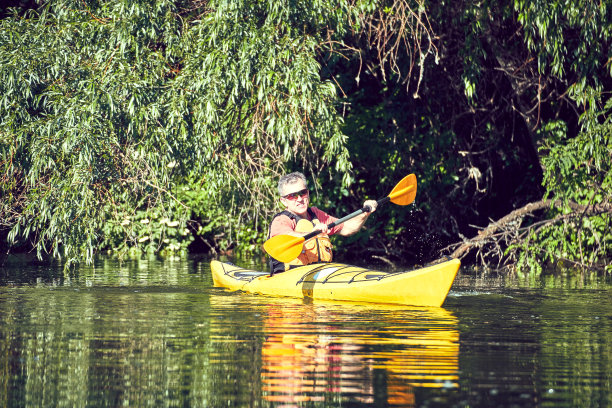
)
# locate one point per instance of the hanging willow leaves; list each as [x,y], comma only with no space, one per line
[132,124]
[107,107]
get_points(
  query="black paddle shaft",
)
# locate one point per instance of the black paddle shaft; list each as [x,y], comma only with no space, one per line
[347,217]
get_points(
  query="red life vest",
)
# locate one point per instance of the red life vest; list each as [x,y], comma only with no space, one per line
[317,249]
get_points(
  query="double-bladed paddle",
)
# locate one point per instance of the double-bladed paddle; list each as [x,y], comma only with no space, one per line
[286,248]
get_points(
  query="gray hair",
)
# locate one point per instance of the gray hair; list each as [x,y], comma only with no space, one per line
[290,179]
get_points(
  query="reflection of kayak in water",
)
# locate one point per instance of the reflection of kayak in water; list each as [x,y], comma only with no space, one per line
[352,353]
[401,349]
[427,286]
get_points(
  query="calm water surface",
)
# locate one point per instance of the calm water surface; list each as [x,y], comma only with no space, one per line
[156,333]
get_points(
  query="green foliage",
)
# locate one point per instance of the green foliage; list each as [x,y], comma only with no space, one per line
[384,150]
[257,100]
[579,177]
[124,124]
[502,98]
[569,37]
[80,108]
[132,231]
[108,107]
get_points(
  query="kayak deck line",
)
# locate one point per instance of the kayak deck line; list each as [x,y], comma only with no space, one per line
[321,268]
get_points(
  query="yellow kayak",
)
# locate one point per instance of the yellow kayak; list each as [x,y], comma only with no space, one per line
[426,286]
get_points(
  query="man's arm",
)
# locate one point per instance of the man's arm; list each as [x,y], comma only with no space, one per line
[354,224]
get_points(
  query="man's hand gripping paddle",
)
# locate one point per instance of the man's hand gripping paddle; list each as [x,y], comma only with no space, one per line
[286,248]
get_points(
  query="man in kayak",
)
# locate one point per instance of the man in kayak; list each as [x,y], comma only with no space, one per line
[298,219]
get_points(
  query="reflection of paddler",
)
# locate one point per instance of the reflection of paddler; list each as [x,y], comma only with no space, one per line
[299,367]
[415,348]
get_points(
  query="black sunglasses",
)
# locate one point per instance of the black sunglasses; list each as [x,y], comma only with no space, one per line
[294,196]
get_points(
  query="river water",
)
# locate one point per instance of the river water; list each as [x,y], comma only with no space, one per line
[156,333]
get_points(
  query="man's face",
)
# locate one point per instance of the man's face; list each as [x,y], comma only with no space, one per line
[296,198]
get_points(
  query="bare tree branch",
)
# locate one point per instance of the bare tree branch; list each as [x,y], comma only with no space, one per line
[491,240]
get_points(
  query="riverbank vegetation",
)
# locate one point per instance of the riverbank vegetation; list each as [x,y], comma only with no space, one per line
[164,125]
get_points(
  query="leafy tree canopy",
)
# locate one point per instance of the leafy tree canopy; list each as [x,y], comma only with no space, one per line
[149,124]
[108,107]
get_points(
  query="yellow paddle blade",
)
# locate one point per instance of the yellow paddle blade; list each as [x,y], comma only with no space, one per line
[284,248]
[405,191]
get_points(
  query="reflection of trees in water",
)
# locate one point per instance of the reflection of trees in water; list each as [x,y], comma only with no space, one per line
[108,346]
[172,345]
[112,345]
[124,342]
